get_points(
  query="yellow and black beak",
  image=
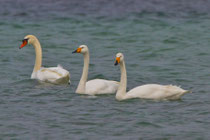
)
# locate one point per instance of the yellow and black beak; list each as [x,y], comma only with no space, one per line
[78,50]
[117,61]
[25,42]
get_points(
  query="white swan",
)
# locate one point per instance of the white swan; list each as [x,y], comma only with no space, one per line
[96,86]
[148,91]
[55,75]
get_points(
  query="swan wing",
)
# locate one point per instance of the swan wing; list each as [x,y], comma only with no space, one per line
[101,86]
[155,91]
[53,75]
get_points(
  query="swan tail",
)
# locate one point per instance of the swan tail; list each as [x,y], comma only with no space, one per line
[187,91]
[179,88]
[63,80]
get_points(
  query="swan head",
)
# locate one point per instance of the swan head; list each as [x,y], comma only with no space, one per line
[119,58]
[81,49]
[29,39]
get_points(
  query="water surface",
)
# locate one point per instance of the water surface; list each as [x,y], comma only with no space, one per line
[164,42]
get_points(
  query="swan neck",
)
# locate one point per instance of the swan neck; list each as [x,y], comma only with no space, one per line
[83,80]
[121,92]
[38,52]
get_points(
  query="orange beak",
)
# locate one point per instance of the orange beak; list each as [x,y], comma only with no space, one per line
[117,61]
[78,50]
[25,42]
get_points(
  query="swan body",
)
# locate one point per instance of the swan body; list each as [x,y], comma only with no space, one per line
[55,75]
[155,91]
[96,86]
[101,86]
[52,75]
[148,91]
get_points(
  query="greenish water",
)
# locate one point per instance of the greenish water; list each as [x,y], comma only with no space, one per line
[163,42]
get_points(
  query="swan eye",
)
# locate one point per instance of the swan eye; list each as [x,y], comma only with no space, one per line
[25,40]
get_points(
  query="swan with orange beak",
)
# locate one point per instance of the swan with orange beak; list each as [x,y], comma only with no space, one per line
[148,91]
[55,75]
[96,86]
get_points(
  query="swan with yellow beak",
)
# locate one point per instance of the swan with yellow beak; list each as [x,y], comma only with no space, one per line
[148,91]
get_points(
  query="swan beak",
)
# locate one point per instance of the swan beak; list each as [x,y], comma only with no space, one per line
[117,61]
[78,50]
[25,42]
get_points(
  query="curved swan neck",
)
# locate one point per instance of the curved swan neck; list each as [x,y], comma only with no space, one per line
[83,80]
[121,92]
[38,52]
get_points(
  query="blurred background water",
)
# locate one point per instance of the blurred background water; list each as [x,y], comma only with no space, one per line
[164,42]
